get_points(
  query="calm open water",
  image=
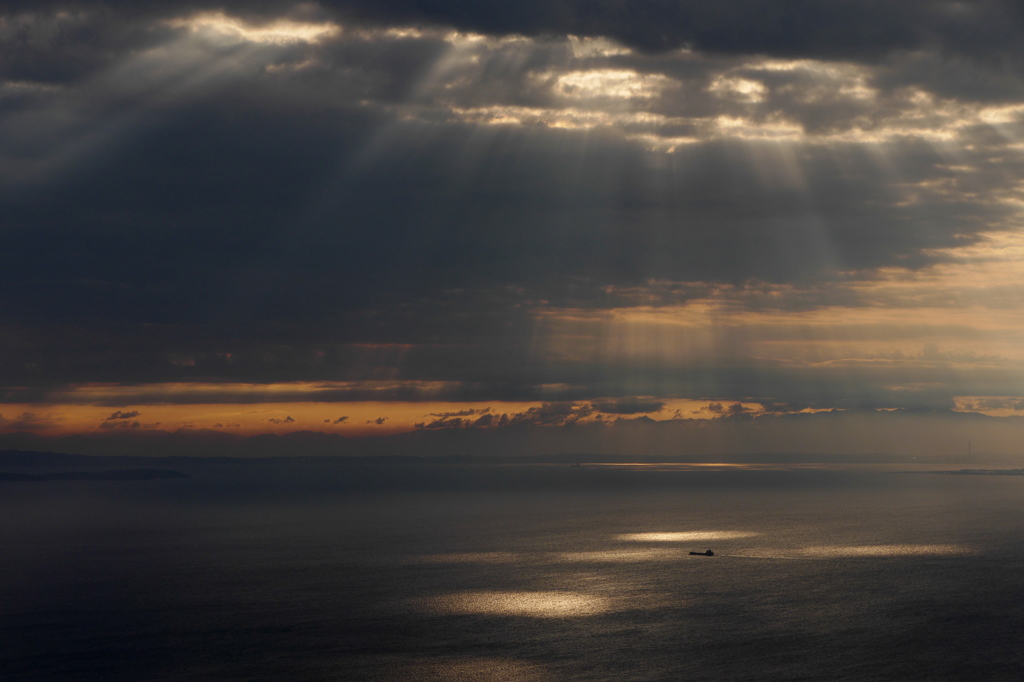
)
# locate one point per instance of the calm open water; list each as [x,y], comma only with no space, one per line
[413,572]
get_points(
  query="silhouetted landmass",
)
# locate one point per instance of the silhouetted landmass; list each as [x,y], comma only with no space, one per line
[30,459]
[33,459]
[970,472]
[117,475]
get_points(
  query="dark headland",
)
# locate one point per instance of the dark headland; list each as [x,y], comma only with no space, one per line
[114,475]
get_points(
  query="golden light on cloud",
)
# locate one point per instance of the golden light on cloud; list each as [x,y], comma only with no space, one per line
[463,40]
[524,604]
[753,99]
[1002,115]
[278,32]
[622,84]
[822,81]
[775,128]
[992,405]
[741,89]
[584,47]
[589,99]
[827,69]
[632,123]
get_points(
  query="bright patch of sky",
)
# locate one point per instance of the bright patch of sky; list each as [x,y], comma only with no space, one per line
[233,29]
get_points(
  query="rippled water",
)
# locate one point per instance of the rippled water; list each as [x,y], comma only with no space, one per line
[513,573]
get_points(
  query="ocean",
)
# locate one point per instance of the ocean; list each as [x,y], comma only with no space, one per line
[397,571]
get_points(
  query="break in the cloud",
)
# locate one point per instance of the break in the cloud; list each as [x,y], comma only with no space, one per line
[599,210]
[630,405]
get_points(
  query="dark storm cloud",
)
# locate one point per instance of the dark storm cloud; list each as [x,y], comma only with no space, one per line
[791,28]
[843,28]
[40,43]
[213,245]
[189,171]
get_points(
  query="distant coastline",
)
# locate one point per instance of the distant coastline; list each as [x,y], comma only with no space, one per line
[116,475]
[969,472]
[33,459]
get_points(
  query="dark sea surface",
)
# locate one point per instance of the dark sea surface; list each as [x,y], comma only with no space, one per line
[330,571]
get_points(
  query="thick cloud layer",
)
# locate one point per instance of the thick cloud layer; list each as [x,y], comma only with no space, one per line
[489,194]
[846,29]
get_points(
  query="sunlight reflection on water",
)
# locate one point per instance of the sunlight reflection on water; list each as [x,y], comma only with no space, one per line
[595,556]
[473,558]
[625,556]
[622,555]
[689,536]
[882,550]
[529,604]
[853,551]
[472,670]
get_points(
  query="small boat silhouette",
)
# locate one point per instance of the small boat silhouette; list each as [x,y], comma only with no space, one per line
[707,553]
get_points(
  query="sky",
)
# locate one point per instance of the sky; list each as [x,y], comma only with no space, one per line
[664,227]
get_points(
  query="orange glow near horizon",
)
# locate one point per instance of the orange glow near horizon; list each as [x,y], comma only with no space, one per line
[365,418]
[354,418]
[960,313]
